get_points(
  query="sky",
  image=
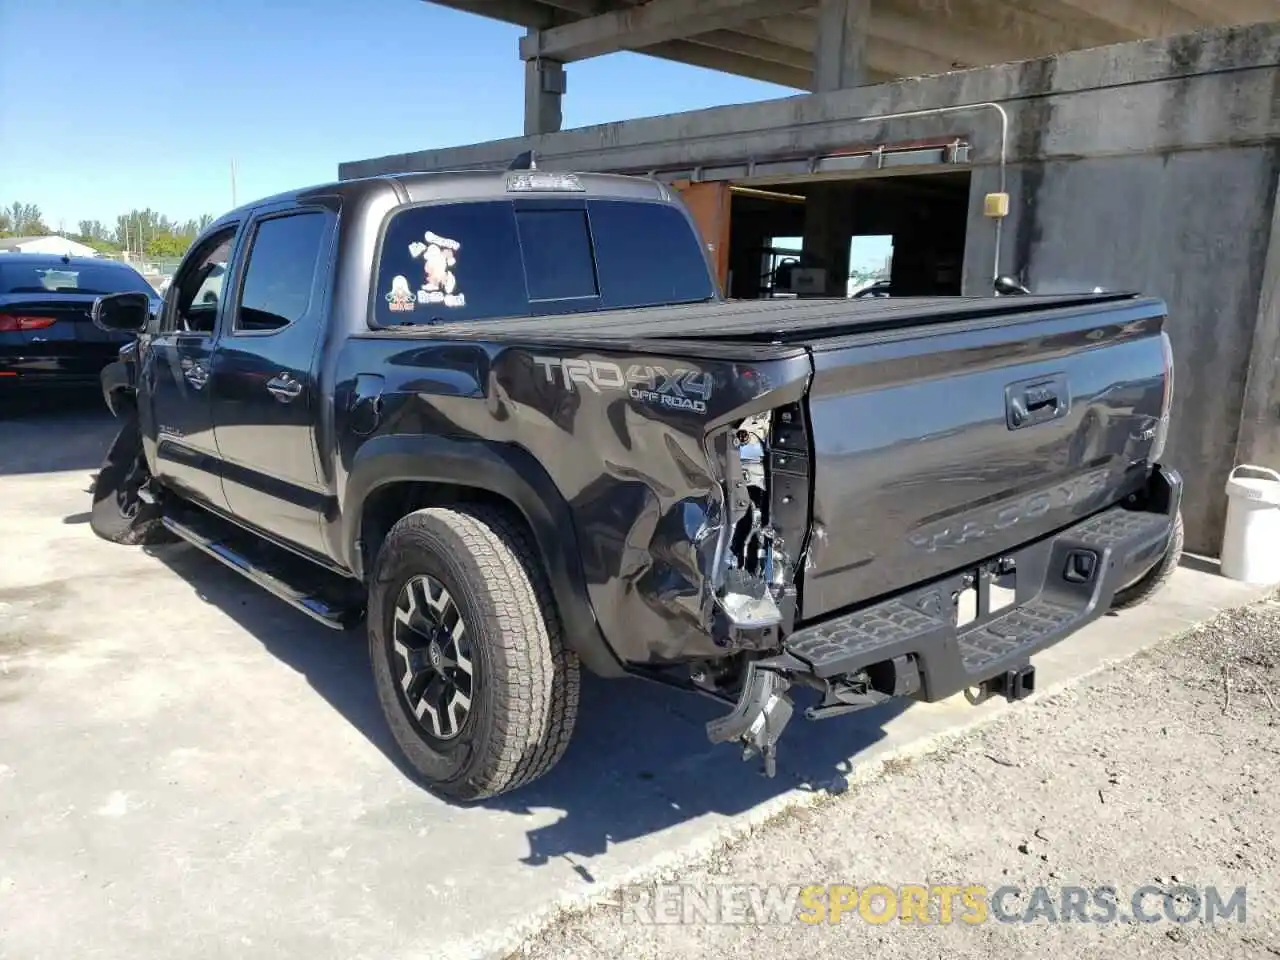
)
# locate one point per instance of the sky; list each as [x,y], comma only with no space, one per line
[108,105]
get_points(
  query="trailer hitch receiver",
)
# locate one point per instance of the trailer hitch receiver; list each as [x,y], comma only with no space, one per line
[1016,684]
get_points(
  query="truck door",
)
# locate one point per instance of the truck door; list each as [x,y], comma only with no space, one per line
[175,411]
[265,401]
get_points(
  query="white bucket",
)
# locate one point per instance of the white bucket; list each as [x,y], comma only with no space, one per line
[1251,544]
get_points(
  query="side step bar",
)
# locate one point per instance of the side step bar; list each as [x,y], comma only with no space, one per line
[271,568]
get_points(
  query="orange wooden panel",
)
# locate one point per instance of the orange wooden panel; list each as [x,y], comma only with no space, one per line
[709,204]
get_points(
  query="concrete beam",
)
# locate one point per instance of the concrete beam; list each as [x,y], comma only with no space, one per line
[1143,18]
[751,46]
[654,22]
[1061,23]
[727,61]
[956,43]
[981,32]
[954,34]
[524,13]
[840,47]
[904,60]
[1228,12]
[884,58]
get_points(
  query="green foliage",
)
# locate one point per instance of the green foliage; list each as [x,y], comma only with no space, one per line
[22,220]
[144,232]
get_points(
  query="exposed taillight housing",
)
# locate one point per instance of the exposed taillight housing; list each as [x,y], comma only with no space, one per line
[18,322]
[765,458]
[1166,402]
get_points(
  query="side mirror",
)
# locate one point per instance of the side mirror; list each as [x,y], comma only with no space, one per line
[1007,286]
[122,312]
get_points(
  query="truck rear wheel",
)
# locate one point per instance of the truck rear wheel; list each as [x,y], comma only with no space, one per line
[118,514]
[472,673]
[1153,581]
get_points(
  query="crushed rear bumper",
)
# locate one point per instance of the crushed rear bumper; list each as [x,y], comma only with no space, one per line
[911,644]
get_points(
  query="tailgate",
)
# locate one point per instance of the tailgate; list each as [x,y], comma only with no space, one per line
[937,447]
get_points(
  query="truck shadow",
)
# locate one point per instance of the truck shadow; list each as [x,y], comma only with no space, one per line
[639,762]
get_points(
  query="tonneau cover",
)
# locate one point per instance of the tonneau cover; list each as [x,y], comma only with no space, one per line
[758,320]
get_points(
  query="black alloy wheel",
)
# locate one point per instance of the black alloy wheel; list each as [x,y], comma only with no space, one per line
[430,651]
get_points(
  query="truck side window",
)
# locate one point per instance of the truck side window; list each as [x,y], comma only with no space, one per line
[647,253]
[199,286]
[281,271]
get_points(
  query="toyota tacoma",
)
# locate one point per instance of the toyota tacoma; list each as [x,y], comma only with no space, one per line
[506,420]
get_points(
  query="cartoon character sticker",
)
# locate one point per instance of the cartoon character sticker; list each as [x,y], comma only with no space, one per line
[400,297]
[439,255]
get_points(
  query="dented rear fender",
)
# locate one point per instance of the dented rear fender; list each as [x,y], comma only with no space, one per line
[639,447]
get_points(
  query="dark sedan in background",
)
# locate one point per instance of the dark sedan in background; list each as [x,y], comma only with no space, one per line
[47,337]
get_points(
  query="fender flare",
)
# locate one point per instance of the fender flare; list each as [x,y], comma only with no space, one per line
[506,471]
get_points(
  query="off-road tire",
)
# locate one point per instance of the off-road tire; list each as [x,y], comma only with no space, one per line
[1154,580]
[526,699]
[117,515]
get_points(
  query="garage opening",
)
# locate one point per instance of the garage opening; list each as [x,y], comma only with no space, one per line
[896,236]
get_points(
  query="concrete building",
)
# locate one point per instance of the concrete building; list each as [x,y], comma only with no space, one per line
[56,245]
[1141,164]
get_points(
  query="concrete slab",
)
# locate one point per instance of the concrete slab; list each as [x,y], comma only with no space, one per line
[188,767]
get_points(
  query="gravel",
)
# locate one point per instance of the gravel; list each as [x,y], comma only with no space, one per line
[1158,772]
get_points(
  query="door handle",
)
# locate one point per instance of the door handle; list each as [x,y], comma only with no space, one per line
[196,374]
[1035,401]
[284,388]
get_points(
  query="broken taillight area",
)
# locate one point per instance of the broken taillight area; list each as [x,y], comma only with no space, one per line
[751,544]
[755,574]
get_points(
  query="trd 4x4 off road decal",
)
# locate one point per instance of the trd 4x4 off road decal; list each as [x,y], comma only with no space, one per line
[679,389]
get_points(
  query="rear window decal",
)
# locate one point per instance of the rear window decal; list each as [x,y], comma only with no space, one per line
[400,297]
[439,284]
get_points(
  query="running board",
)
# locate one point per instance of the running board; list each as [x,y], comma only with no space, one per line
[296,581]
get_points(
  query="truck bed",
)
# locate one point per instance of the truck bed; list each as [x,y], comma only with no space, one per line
[760,321]
[941,431]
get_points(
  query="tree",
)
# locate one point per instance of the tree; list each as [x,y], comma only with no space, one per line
[167,245]
[93,230]
[25,220]
[143,232]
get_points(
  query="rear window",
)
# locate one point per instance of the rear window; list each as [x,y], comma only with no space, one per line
[444,263]
[69,278]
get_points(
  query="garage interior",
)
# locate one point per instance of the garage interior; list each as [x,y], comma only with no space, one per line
[804,239]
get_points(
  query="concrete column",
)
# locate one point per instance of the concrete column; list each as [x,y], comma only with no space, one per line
[1259,440]
[826,237]
[839,51]
[544,85]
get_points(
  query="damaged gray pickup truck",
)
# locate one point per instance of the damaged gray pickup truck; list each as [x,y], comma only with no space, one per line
[506,419]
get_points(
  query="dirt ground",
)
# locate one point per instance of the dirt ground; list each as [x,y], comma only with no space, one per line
[1161,772]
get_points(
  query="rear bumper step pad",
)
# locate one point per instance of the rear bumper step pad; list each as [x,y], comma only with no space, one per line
[1064,582]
